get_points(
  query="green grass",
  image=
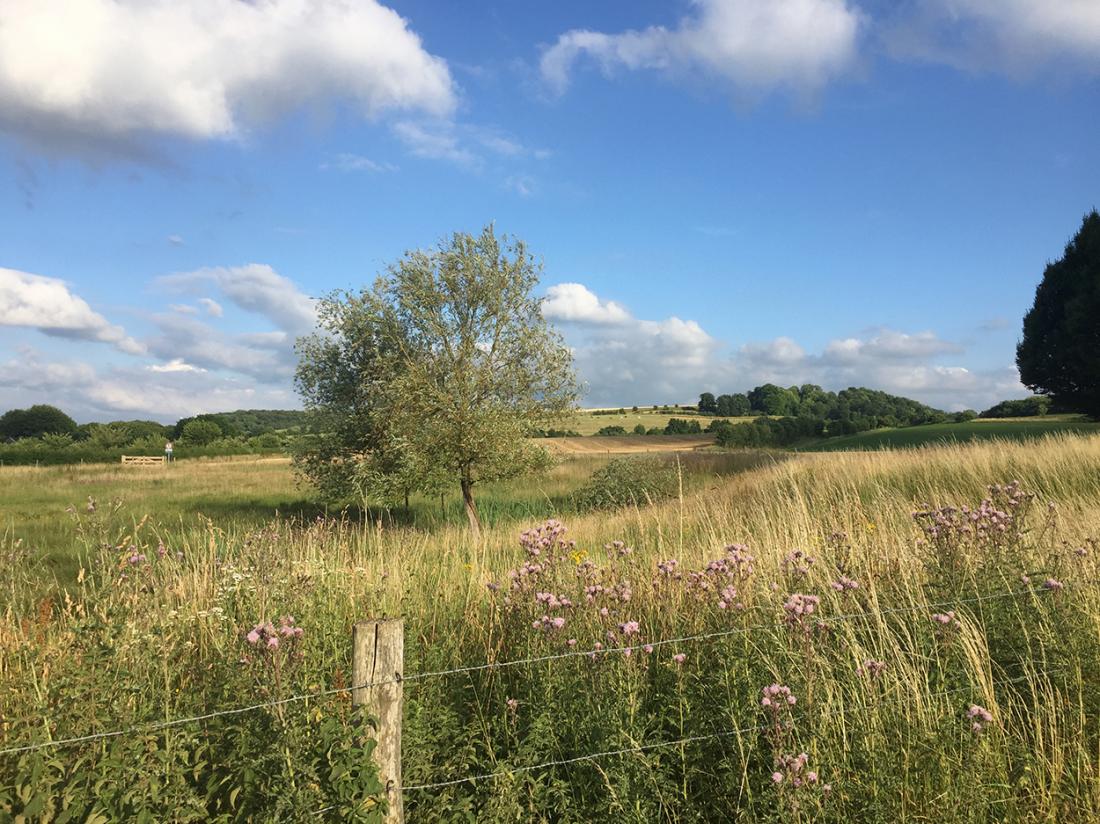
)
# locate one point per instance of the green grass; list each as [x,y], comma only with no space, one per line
[248,493]
[1012,429]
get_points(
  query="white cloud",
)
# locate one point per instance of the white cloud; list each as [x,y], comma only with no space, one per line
[255,287]
[624,359]
[347,162]
[90,393]
[575,303]
[174,365]
[47,304]
[1016,36]
[200,344]
[90,71]
[628,360]
[889,344]
[751,45]
[437,142]
[175,240]
[212,307]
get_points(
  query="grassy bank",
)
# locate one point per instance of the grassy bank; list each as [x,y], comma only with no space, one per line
[883,692]
[1009,429]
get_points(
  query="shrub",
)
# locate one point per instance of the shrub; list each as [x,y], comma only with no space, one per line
[627,482]
[612,430]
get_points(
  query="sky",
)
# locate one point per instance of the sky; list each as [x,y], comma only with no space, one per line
[721,193]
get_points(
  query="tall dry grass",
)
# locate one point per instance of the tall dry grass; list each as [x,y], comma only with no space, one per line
[164,638]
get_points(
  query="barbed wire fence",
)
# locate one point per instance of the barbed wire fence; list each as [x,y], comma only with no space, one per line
[400,679]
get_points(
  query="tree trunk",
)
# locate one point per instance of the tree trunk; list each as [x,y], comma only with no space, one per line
[471,508]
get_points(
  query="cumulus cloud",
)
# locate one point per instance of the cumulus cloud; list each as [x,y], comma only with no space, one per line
[202,345]
[624,359]
[575,303]
[93,71]
[47,304]
[97,393]
[1015,36]
[256,288]
[629,360]
[888,344]
[753,46]
[892,361]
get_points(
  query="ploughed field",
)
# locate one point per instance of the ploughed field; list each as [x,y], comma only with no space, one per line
[842,636]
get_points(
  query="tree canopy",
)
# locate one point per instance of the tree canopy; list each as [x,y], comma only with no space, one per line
[35,421]
[1058,353]
[439,373]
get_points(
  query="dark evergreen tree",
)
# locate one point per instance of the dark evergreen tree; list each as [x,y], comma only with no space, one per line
[1059,355]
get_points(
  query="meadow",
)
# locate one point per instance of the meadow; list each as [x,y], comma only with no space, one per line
[868,636]
[979,429]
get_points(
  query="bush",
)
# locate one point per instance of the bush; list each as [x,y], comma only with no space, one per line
[612,430]
[627,482]
[678,426]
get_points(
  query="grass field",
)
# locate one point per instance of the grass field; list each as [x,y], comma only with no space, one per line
[887,694]
[1014,429]
[585,423]
[248,493]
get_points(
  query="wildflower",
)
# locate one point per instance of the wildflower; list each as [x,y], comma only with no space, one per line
[871,668]
[777,777]
[679,658]
[774,698]
[629,628]
[513,704]
[273,642]
[945,619]
[979,717]
[844,583]
[162,550]
[797,562]
[1053,585]
[648,648]
[572,642]
[253,637]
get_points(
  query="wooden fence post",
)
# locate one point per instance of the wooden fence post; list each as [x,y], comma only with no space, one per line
[378,649]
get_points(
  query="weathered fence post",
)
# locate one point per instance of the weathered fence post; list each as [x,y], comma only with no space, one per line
[378,649]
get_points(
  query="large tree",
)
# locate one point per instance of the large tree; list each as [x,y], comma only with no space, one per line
[1059,355]
[40,419]
[440,371]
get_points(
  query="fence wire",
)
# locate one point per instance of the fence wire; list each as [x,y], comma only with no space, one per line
[492,665]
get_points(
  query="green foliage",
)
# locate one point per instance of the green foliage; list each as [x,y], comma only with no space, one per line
[679,426]
[1057,356]
[627,482]
[768,432]
[200,432]
[1025,408]
[439,372]
[707,404]
[732,406]
[40,419]
[640,429]
[611,430]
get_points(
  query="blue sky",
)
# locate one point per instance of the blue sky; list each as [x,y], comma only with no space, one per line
[723,193]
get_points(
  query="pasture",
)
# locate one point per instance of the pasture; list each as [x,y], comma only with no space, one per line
[942,667]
